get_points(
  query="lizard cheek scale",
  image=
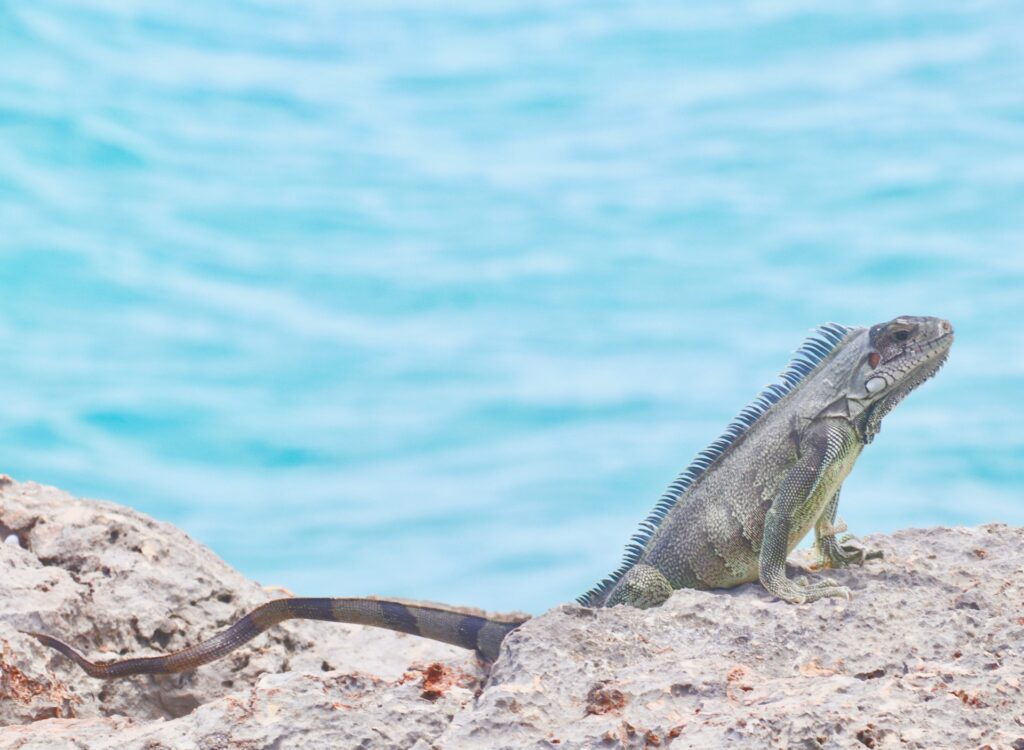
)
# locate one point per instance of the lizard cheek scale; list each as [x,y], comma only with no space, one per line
[875,385]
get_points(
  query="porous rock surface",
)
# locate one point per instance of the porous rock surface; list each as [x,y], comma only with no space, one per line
[928,654]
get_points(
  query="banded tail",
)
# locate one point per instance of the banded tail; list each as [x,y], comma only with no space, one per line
[448,624]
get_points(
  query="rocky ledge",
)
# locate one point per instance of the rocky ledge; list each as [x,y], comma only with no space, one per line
[928,654]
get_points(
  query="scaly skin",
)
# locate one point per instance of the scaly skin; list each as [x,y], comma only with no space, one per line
[732,517]
[741,517]
[460,627]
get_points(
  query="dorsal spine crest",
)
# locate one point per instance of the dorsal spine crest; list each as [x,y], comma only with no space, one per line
[806,359]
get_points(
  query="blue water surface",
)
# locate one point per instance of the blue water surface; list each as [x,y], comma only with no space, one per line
[434,300]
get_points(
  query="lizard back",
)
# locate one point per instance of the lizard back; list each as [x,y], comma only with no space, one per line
[806,360]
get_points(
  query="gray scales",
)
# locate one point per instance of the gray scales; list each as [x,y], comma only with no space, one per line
[731,517]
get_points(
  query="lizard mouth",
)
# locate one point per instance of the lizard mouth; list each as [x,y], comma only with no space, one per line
[931,356]
[938,345]
[911,367]
[941,337]
[919,354]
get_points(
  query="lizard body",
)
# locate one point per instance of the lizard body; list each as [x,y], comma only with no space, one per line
[730,518]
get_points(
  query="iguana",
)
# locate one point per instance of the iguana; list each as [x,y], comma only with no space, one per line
[731,517]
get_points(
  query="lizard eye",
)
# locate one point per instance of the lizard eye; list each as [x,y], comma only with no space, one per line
[901,335]
[873,359]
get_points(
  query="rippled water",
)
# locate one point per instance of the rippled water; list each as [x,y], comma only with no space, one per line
[380,298]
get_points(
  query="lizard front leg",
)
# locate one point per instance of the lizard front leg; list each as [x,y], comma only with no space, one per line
[831,552]
[780,521]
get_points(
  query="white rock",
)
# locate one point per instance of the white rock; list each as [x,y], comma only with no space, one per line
[928,654]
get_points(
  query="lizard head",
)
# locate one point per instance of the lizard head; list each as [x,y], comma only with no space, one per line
[901,354]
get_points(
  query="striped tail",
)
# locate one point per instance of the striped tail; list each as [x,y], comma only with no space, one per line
[463,628]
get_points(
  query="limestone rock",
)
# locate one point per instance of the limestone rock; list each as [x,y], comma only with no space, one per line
[114,582]
[928,654]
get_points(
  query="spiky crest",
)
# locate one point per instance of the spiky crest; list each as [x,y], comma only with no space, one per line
[815,348]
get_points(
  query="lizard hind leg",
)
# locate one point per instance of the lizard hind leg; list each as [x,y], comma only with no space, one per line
[641,586]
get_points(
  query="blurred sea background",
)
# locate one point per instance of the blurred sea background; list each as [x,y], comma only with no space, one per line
[434,301]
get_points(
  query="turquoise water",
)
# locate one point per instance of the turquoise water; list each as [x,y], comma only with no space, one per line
[376,298]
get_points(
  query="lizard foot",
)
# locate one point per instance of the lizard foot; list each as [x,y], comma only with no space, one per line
[822,583]
[797,592]
[833,554]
